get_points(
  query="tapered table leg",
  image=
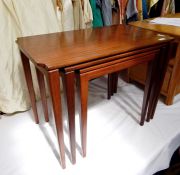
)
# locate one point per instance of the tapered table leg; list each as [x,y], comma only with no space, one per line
[28,76]
[112,84]
[163,67]
[109,91]
[161,70]
[153,90]
[115,81]
[147,90]
[54,85]
[68,80]
[83,94]
[42,90]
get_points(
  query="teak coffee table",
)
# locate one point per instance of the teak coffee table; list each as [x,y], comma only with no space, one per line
[88,54]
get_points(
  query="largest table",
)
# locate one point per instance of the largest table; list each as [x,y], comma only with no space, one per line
[89,54]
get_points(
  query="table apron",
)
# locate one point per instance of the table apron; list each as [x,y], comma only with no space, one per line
[109,58]
[117,65]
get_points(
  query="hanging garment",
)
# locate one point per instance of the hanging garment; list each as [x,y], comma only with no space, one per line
[115,12]
[29,17]
[151,3]
[139,9]
[82,14]
[124,6]
[155,10]
[171,9]
[65,15]
[88,15]
[13,91]
[78,15]
[120,12]
[145,12]
[38,18]
[122,9]
[59,5]
[59,12]
[106,10]
[97,17]
[168,7]
[131,10]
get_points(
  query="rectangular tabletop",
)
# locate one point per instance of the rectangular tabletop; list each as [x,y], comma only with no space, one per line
[63,49]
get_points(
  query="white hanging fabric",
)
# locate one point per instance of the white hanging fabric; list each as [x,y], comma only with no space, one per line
[78,15]
[65,15]
[13,93]
[25,18]
[88,15]
[34,16]
[20,18]
[82,12]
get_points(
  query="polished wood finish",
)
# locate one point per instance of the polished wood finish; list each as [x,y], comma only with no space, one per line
[69,93]
[86,74]
[40,77]
[109,86]
[171,84]
[166,29]
[89,54]
[147,90]
[112,84]
[58,50]
[29,81]
[83,91]
[157,78]
[54,86]
[162,67]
